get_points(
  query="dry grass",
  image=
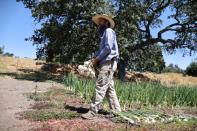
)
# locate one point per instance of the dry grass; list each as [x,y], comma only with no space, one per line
[11,64]
[171,79]
[26,65]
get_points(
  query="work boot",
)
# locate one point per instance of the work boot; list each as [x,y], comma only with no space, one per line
[89,115]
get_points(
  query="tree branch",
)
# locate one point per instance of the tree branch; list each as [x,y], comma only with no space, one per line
[169,27]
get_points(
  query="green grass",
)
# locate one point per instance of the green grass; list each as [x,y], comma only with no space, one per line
[146,94]
[43,115]
[48,105]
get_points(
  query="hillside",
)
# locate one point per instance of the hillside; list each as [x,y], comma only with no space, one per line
[27,65]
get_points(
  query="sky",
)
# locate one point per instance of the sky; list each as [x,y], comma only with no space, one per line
[16,24]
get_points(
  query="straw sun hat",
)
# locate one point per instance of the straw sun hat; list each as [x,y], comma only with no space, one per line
[96,18]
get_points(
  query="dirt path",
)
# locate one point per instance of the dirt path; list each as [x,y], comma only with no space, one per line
[13,100]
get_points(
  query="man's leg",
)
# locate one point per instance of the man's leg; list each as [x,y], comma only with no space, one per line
[102,84]
[111,93]
[112,98]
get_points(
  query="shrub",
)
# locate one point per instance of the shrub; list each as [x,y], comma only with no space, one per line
[192,69]
[5,54]
[8,54]
[1,50]
[172,68]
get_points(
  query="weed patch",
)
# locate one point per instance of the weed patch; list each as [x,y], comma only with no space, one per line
[43,115]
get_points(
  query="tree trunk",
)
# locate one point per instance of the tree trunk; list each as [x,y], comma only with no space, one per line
[121,70]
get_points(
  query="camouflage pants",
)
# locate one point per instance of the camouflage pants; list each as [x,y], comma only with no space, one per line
[105,87]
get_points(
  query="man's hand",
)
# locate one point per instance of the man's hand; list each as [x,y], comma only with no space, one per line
[95,62]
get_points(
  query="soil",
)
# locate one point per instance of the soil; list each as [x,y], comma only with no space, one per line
[13,100]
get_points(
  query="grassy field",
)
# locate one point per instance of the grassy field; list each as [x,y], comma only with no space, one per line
[129,93]
[12,64]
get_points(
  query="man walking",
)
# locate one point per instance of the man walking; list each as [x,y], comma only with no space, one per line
[106,64]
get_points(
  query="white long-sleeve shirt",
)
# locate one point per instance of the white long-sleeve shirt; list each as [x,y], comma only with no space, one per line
[108,47]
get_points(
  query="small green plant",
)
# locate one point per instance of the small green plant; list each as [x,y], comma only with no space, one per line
[35,96]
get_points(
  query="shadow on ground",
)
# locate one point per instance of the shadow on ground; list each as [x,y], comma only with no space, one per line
[37,76]
[77,109]
[82,110]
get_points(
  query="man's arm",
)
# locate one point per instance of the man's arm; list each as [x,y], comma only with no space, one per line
[96,54]
[108,43]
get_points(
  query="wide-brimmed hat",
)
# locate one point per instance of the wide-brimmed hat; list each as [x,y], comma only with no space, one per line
[96,18]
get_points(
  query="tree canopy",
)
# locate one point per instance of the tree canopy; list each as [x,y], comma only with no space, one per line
[192,69]
[145,15]
[67,33]
[1,50]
